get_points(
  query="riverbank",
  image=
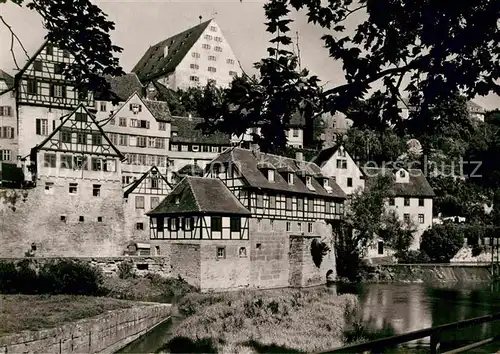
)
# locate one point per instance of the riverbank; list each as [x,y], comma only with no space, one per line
[35,312]
[285,320]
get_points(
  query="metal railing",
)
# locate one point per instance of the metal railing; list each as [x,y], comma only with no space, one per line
[379,345]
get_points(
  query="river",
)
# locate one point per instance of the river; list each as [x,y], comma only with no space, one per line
[399,308]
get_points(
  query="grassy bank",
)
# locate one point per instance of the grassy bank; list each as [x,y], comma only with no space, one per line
[35,312]
[283,320]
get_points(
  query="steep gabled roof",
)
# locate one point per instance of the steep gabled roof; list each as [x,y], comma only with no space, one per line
[137,182]
[153,63]
[197,195]
[418,186]
[326,154]
[121,87]
[9,80]
[190,170]
[247,162]
[66,118]
[187,133]
[159,110]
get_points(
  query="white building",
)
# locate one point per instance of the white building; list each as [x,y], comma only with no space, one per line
[8,121]
[194,57]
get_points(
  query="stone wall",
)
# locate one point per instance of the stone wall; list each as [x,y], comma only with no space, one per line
[61,224]
[303,271]
[431,273]
[101,334]
[185,262]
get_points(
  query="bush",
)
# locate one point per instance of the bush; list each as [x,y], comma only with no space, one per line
[58,277]
[442,242]
[125,270]
[412,257]
[319,249]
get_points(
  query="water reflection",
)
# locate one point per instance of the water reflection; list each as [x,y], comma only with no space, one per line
[410,307]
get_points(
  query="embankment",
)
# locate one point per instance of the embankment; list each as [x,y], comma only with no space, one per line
[101,334]
[431,273]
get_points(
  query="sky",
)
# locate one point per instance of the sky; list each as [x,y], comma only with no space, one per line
[142,23]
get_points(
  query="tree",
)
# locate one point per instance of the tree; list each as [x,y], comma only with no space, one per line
[442,242]
[398,235]
[81,28]
[436,49]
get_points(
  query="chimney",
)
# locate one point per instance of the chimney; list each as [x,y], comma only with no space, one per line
[255,148]
[298,156]
[165,51]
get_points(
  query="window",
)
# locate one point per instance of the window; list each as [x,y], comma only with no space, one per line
[215,149]
[194,66]
[173,224]
[123,122]
[188,224]
[288,226]
[160,224]
[81,138]
[213,28]
[212,69]
[206,46]
[195,55]
[407,201]
[162,126]
[49,187]
[392,201]
[141,141]
[342,152]
[272,202]
[310,205]
[218,39]
[288,205]
[80,117]
[270,175]
[218,49]
[37,65]
[342,164]
[299,226]
[73,188]
[123,140]
[421,218]
[300,204]
[59,68]
[194,78]
[232,73]
[349,182]
[96,164]
[208,37]
[212,58]
[99,219]
[221,252]
[184,148]
[65,53]
[50,160]
[230,61]
[154,202]
[402,174]
[295,133]
[380,247]
[7,133]
[308,181]
[421,202]
[290,178]
[96,139]
[235,224]
[58,91]
[6,111]
[242,252]
[81,219]
[216,223]
[63,218]
[139,226]
[96,190]
[80,162]
[32,87]
[310,227]
[139,202]
[42,127]
[66,161]
[406,217]
[102,106]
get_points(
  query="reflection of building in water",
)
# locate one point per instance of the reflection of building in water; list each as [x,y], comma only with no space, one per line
[402,307]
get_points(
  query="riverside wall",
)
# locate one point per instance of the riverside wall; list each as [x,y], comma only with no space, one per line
[105,333]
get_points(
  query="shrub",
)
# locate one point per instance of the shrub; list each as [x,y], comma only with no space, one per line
[412,257]
[125,270]
[442,242]
[319,249]
[8,278]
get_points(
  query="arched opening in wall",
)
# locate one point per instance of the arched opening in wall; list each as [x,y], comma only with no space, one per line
[329,275]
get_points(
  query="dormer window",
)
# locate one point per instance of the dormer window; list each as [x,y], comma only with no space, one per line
[177,200]
[270,175]
[326,184]
[290,178]
[308,181]
[402,174]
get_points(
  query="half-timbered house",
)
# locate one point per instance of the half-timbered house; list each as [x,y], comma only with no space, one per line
[75,207]
[141,196]
[205,229]
[43,95]
[8,120]
[141,129]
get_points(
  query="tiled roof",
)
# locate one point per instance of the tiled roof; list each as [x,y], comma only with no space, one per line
[325,155]
[474,107]
[190,170]
[9,80]
[163,92]
[187,133]
[131,187]
[197,195]
[418,186]
[246,161]
[153,63]
[159,109]
[122,87]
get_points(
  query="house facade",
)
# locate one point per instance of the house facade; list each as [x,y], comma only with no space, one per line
[194,57]
[283,206]
[142,196]
[8,120]
[140,128]
[75,207]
